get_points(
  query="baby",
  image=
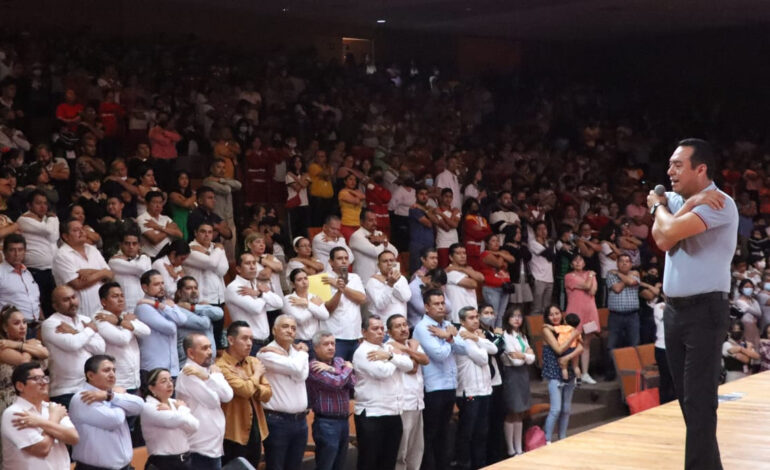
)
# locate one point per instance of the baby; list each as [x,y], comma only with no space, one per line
[564,332]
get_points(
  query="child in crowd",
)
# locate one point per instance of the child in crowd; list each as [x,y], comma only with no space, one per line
[564,332]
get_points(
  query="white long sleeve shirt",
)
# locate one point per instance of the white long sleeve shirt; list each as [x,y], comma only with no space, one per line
[384,300]
[205,398]
[19,288]
[68,353]
[66,265]
[447,179]
[403,198]
[345,321]
[473,375]
[308,318]
[252,310]
[41,237]
[366,253]
[127,274]
[517,342]
[167,432]
[122,344]
[322,246]
[458,295]
[413,387]
[378,383]
[208,269]
[287,375]
[149,248]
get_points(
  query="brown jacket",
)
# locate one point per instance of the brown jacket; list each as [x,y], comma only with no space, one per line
[246,392]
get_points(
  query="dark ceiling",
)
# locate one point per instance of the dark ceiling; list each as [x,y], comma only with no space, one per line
[525,19]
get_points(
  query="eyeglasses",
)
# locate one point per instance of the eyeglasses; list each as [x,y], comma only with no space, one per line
[40,379]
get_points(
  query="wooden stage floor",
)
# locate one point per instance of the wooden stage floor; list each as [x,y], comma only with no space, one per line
[654,439]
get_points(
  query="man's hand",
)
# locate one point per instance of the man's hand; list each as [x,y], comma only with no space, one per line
[197,373]
[179,403]
[163,407]
[111,319]
[171,271]
[26,419]
[56,412]
[317,301]
[92,396]
[349,364]
[378,355]
[467,335]
[653,199]
[298,302]
[393,276]
[300,347]
[713,198]
[274,349]
[259,370]
[151,224]
[319,366]
[248,291]
[199,249]
[66,329]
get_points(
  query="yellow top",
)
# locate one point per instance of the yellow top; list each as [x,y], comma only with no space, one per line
[350,213]
[320,181]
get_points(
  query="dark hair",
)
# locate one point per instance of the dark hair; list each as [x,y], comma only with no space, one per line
[182,280]
[13,239]
[453,247]
[143,169]
[431,293]
[131,231]
[463,312]
[330,218]
[203,190]
[702,154]
[239,259]
[180,247]
[737,322]
[384,252]
[438,276]
[5,316]
[21,373]
[189,339]
[572,319]
[447,190]
[147,275]
[507,320]
[740,284]
[93,362]
[294,272]
[152,379]
[232,330]
[547,311]
[389,321]
[153,194]
[606,232]
[186,192]
[335,250]
[362,216]
[424,252]
[92,176]
[624,255]
[367,321]
[35,193]
[104,290]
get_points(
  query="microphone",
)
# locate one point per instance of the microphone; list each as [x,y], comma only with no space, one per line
[660,190]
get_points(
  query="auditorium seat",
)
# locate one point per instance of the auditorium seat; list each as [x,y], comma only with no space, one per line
[628,366]
[403,260]
[646,354]
[535,330]
[312,232]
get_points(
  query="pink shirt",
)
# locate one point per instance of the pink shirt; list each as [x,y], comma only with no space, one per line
[163,143]
[639,231]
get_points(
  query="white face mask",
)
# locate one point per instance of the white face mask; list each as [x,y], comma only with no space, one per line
[747,291]
[761,265]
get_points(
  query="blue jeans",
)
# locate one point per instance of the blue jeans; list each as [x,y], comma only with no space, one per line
[346,348]
[561,405]
[331,443]
[624,329]
[498,299]
[285,445]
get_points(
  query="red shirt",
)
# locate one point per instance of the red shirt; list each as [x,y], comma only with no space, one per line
[110,113]
[69,111]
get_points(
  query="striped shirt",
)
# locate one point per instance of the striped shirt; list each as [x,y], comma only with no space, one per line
[329,392]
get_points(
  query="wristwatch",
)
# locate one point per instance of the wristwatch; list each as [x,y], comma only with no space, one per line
[110,394]
[655,207]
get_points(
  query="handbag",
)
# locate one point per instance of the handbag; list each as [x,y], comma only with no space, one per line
[293,202]
[534,438]
[642,399]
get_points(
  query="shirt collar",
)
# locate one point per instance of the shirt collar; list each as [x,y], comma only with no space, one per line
[194,365]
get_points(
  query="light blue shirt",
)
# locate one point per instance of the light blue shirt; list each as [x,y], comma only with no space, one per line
[159,348]
[441,372]
[105,440]
[198,321]
[701,263]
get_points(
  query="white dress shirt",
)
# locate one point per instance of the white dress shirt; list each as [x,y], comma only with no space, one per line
[517,342]
[308,318]
[20,289]
[413,388]
[166,432]
[378,383]
[539,266]
[127,274]
[505,216]
[403,198]
[41,237]
[149,248]
[16,440]
[105,440]
[458,295]
[447,179]
[122,344]
[345,321]
[366,253]
[66,265]
[208,270]
[473,375]
[68,353]
[287,375]
[205,398]
[252,310]
[168,282]
[384,300]
[322,246]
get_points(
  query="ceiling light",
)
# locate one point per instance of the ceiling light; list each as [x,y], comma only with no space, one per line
[381,21]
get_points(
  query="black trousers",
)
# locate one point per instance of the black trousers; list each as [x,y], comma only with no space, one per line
[46,284]
[252,451]
[378,440]
[695,328]
[666,386]
[472,430]
[496,450]
[439,405]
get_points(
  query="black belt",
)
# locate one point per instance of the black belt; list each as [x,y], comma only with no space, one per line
[85,466]
[173,458]
[335,417]
[288,416]
[678,302]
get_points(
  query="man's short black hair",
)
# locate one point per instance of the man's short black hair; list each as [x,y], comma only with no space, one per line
[232,330]
[391,319]
[368,320]
[147,275]
[572,319]
[702,154]
[93,362]
[431,293]
[152,195]
[104,291]
[183,280]
[35,193]
[453,247]
[426,251]
[13,239]
[335,250]
[21,373]
[203,190]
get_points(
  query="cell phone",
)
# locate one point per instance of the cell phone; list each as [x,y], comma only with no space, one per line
[397,266]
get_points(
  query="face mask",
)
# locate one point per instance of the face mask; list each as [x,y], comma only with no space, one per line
[487,320]
[766,286]
[428,181]
[747,291]
[736,335]
[761,265]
